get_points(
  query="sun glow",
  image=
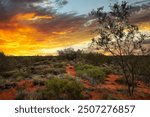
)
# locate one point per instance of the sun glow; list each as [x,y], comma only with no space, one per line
[30,16]
[19,38]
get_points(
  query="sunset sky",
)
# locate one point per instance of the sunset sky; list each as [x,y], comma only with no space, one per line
[41,27]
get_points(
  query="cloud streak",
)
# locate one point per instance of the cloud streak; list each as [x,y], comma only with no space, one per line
[30,27]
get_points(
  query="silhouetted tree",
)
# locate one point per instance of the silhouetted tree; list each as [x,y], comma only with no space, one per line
[69,53]
[121,39]
[2,62]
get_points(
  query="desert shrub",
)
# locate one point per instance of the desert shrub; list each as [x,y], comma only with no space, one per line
[8,85]
[94,58]
[110,97]
[36,95]
[3,62]
[20,75]
[65,89]
[144,70]
[107,70]
[7,74]
[44,71]
[2,83]
[1,77]
[2,54]
[93,73]
[58,65]
[21,94]
[14,74]
[25,61]
[96,74]
[45,62]
[69,54]
[121,80]
[38,82]
[57,71]
[84,66]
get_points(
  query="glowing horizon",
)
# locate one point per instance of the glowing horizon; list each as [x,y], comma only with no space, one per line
[34,29]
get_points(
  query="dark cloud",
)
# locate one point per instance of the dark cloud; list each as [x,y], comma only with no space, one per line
[69,22]
[59,22]
[61,2]
[140,13]
[26,1]
[9,8]
[146,41]
[66,22]
[142,2]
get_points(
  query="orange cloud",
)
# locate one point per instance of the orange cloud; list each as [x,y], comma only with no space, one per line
[30,16]
[20,38]
[27,40]
[59,33]
[26,16]
[144,26]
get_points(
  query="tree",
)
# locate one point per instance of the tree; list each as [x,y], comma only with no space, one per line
[2,62]
[121,39]
[69,53]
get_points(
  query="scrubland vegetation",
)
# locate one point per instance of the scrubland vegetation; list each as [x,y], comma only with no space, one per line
[37,78]
[74,75]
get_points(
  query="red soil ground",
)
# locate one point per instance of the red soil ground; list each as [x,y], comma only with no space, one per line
[110,89]
[10,94]
[70,70]
[114,90]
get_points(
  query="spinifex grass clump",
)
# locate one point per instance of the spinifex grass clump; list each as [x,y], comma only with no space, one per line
[65,89]
[93,73]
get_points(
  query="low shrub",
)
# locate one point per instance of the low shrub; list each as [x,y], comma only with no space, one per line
[57,71]
[36,95]
[20,75]
[39,82]
[64,89]
[93,73]
[84,66]
[107,70]
[59,65]
[21,94]
[110,97]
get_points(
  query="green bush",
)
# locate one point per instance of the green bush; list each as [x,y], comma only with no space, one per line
[39,82]
[3,62]
[97,75]
[84,66]
[107,70]
[93,73]
[36,95]
[94,58]
[64,89]
[2,83]
[144,70]
[21,94]
[69,54]
[58,65]
[57,71]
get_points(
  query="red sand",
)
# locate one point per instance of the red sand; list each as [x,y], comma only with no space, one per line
[108,90]
[10,94]
[70,70]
